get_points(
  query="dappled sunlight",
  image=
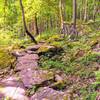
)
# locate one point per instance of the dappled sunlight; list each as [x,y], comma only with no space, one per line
[49,49]
[15,93]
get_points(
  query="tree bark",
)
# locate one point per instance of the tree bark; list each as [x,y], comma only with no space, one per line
[73,30]
[25,26]
[94,9]
[51,22]
[36,25]
[85,12]
[5,5]
[74,13]
[62,17]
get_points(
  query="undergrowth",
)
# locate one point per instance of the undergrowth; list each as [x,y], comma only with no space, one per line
[77,58]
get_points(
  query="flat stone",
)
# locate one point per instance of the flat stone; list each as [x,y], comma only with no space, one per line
[49,94]
[26,64]
[33,48]
[13,81]
[45,48]
[27,61]
[13,93]
[30,57]
[11,87]
[33,77]
[18,53]
[31,52]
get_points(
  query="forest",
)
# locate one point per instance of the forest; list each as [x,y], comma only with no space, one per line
[49,49]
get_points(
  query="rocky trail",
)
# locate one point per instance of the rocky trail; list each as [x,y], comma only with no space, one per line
[27,75]
[27,81]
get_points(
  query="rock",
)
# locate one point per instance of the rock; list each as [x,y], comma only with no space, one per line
[79,53]
[31,52]
[1,96]
[33,48]
[58,78]
[33,77]
[45,48]
[27,61]
[13,93]
[18,54]
[30,57]
[13,81]
[98,97]
[11,87]
[49,94]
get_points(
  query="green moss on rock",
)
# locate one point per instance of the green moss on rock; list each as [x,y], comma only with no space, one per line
[6,59]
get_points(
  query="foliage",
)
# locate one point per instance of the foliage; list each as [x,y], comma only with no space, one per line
[76,58]
[4,56]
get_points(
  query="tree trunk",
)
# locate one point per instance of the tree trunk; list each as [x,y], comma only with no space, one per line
[36,25]
[51,22]
[73,30]
[85,12]
[62,17]
[24,22]
[94,9]
[74,13]
[5,5]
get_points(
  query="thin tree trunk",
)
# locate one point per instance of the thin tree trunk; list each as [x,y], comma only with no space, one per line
[62,17]
[51,22]
[47,24]
[5,4]
[80,10]
[36,25]
[85,12]
[73,30]
[94,9]
[74,13]
[24,22]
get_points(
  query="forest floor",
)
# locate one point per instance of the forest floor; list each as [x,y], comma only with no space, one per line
[55,69]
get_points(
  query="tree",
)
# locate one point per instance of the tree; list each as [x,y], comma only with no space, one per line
[94,9]
[74,13]
[5,5]
[36,25]
[24,22]
[85,11]
[62,11]
[73,30]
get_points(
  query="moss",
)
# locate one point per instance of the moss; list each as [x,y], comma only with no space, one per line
[55,37]
[6,59]
[43,49]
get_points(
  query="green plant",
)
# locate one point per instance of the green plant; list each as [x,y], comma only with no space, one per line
[92,96]
[89,57]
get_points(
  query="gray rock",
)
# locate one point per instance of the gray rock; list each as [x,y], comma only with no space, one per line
[49,94]
[33,77]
